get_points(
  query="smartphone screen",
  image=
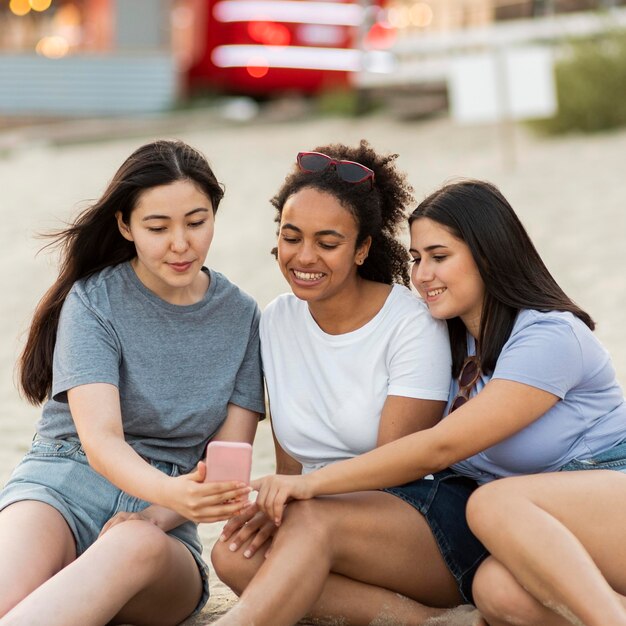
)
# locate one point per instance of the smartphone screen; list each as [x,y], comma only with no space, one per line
[228,460]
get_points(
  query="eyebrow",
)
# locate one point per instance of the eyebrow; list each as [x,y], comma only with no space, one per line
[428,248]
[168,217]
[319,233]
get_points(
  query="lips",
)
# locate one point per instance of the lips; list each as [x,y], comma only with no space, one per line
[181,267]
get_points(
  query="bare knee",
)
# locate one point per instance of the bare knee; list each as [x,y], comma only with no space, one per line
[311,518]
[487,508]
[501,599]
[232,568]
[138,544]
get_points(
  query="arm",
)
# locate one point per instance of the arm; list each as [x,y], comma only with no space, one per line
[402,416]
[96,412]
[500,410]
[240,425]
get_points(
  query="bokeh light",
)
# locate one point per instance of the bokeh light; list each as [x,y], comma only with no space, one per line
[40,5]
[52,47]
[257,67]
[19,7]
[421,15]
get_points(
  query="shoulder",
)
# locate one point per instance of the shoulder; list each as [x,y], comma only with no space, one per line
[548,324]
[225,289]
[96,291]
[285,305]
[406,309]
[403,299]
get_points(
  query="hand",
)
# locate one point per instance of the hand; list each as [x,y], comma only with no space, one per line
[275,491]
[124,516]
[249,522]
[198,501]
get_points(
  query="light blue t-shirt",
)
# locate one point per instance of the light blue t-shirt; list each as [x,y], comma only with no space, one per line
[176,367]
[558,353]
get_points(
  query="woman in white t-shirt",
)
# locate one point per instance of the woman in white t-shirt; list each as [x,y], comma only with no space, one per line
[353,360]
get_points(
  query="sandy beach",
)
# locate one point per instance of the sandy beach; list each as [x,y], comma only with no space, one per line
[569,193]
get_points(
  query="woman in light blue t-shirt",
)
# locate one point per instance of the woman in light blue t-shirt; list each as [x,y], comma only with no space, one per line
[535,402]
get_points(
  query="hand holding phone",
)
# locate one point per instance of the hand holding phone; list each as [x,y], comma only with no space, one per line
[228,461]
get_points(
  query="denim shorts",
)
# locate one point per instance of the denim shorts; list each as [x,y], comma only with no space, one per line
[612,459]
[441,498]
[56,471]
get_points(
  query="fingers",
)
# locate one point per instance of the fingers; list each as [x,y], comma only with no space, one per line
[217,513]
[264,533]
[259,528]
[236,522]
[271,498]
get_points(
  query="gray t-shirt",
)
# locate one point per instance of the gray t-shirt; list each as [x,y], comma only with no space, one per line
[176,367]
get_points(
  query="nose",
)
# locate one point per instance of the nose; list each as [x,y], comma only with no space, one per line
[179,242]
[307,254]
[422,273]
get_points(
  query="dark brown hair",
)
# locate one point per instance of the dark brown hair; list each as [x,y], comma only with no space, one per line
[514,275]
[93,241]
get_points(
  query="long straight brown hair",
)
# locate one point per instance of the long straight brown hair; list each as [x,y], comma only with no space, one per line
[93,241]
[514,274]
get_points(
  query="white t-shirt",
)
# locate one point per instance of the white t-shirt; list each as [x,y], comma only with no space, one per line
[327,392]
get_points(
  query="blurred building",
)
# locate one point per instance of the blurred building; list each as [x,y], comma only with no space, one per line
[86,57]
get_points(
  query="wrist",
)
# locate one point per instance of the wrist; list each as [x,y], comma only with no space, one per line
[313,484]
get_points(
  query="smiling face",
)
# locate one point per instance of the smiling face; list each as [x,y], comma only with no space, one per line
[172,229]
[445,274]
[316,246]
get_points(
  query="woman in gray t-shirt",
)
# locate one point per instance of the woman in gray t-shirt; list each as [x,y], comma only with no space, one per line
[140,356]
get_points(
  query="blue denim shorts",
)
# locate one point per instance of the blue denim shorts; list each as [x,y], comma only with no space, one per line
[56,471]
[612,459]
[441,498]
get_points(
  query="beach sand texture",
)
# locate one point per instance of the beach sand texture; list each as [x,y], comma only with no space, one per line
[569,192]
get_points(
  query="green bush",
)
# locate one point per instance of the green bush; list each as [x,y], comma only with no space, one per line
[591,87]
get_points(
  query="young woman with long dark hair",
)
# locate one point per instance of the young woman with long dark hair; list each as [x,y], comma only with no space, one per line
[140,355]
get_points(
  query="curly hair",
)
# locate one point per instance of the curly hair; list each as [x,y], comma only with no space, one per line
[379,209]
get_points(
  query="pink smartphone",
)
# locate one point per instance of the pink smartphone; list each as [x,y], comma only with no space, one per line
[228,460]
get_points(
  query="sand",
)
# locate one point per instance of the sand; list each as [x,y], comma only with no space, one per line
[569,192]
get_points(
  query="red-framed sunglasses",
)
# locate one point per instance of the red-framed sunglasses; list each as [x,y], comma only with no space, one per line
[348,171]
[470,373]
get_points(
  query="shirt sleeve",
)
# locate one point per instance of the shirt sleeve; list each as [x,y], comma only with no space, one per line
[86,351]
[420,360]
[248,391]
[545,354]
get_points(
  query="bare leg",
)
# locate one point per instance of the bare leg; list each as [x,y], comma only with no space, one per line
[562,538]
[134,573]
[35,543]
[371,542]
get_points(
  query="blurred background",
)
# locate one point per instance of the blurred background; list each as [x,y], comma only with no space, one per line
[81,58]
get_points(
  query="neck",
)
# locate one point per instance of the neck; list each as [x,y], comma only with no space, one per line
[351,309]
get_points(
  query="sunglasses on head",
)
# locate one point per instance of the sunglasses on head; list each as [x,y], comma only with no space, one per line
[470,373]
[348,171]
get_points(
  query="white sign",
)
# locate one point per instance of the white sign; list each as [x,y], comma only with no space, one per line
[517,83]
